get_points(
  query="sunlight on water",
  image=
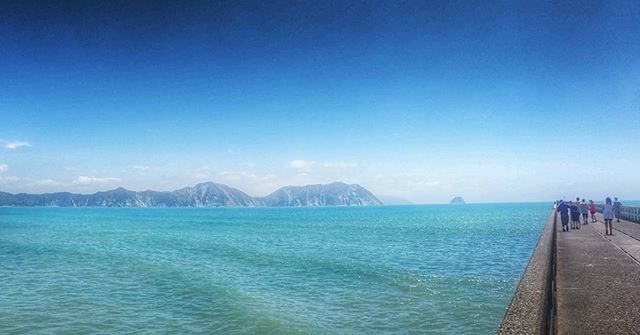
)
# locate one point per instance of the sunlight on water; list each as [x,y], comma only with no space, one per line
[389,269]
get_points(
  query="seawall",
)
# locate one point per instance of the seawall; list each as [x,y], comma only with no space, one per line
[531,310]
[629,213]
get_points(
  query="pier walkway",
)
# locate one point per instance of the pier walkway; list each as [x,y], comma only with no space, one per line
[580,282]
[598,280]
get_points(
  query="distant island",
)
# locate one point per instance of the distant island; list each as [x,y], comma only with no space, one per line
[457,201]
[203,195]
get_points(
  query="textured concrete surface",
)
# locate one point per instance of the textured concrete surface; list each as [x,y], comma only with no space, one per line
[597,281]
[627,227]
[527,312]
[626,236]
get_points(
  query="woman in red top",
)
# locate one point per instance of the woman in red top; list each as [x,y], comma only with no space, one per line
[592,210]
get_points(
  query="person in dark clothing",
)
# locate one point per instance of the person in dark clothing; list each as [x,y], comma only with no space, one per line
[563,209]
[575,215]
[617,208]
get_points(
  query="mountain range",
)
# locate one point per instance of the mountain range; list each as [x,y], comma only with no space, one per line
[202,195]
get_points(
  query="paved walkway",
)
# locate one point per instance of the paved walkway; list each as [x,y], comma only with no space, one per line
[598,280]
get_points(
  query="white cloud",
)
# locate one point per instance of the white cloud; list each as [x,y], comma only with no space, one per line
[14,144]
[48,182]
[8,179]
[300,164]
[305,165]
[4,168]
[248,177]
[338,165]
[140,167]
[86,180]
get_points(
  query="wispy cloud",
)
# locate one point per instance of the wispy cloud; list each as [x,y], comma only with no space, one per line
[12,145]
[86,180]
[300,164]
[47,182]
[338,165]
[203,172]
[8,179]
[139,167]
[4,168]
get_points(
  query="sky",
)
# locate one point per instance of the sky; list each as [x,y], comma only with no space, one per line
[495,101]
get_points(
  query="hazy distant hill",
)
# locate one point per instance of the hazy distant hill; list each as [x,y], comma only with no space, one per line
[457,201]
[334,194]
[214,195]
[201,195]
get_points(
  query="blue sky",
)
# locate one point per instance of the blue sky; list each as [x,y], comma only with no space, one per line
[494,101]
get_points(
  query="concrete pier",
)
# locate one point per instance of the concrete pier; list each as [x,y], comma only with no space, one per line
[589,284]
[598,281]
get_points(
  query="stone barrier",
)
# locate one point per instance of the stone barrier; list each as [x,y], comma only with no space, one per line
[629,213]
[532,308]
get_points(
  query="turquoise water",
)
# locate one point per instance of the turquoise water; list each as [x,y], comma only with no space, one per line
[372,270]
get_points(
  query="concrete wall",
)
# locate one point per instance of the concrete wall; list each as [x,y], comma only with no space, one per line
[626,213]
[531,309]
[630,214]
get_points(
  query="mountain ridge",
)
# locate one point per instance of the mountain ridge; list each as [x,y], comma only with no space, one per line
[207,194]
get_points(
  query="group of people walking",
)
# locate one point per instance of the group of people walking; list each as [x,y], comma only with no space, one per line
[575,210]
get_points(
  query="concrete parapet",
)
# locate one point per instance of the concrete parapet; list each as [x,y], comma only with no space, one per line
[629,213]
[531,309]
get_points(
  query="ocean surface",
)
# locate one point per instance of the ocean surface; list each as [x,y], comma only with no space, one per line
[433,269]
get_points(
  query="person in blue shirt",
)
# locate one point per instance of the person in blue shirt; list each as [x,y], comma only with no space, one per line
[563,209]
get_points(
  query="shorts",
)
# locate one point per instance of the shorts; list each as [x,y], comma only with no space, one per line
[575,216]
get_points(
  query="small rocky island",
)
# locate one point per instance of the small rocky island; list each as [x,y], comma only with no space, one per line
[457,201]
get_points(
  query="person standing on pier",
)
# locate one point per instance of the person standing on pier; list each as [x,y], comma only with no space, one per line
[607,212]
[563,209]
[617,208]
[584,210]
[575,215]
[592,210]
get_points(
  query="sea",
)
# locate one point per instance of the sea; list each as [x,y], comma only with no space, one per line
[414,269]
